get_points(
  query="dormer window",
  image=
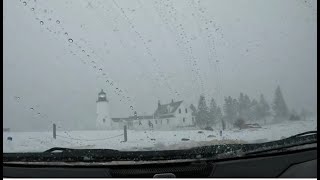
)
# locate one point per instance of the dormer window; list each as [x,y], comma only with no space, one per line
[169,109]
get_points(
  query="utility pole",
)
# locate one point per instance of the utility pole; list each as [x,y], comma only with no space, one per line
[54,131]
[125,133]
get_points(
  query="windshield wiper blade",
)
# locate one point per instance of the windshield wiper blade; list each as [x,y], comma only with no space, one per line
[72,150]
[305,134]
[80,152]
[309,137]
[62,154]
[59,149]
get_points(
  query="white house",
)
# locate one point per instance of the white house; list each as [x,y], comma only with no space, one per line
[174,115]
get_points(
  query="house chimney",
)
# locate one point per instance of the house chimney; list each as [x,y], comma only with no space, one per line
[159,103]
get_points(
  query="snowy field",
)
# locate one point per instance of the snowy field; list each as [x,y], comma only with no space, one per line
[148,140]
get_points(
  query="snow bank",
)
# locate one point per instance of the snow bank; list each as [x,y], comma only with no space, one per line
[148,140]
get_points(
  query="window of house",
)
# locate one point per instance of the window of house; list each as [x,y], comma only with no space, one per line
[167,121]
[156,122]
[184,119]
[104,120]
[186,110]
[179,111]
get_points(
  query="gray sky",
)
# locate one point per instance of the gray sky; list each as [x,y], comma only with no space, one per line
[151,50]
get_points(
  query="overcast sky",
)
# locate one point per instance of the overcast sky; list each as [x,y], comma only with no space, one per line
[59,54]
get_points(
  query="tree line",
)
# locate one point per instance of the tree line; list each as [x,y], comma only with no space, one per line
[243,108]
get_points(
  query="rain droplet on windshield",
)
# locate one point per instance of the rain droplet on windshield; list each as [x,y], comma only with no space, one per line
[32,109]
[24,3]
[57,21]
[32,9]
[41,22]
[70,40]
[100,69]
[65,33]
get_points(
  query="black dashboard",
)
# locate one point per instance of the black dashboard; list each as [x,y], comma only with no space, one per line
[301,163]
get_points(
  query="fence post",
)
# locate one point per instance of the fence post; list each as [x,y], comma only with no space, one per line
[54,131]
[125,133]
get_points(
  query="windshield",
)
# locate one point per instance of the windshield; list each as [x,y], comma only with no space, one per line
[157,74]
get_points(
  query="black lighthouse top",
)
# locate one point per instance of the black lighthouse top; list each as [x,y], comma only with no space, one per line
[102,96]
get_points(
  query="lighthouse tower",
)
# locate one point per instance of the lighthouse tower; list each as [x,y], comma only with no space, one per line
[103,115]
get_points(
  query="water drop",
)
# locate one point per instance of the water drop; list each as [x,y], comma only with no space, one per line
[65,33]
[57,21]
[41,22]
[83,51]
[32,9]
[100,69]
[70,40]
[94,66]
[88,55]
[24,3]
[32,109]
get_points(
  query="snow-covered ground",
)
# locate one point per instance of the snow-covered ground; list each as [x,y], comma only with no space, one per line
[147,140]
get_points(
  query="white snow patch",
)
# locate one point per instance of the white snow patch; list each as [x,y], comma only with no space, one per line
[147,140]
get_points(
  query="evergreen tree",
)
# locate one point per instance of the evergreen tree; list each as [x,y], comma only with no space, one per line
[219,113]
[241,108]
[279,105]
[244,106]
[230,109]
[264,108]
[303,114]
[202,116]
[212,112]
[254,110]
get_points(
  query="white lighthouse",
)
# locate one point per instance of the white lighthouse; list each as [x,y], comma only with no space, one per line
[103,115]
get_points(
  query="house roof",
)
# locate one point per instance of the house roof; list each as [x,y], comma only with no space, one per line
[163,111]
[167,108]
[131,118]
